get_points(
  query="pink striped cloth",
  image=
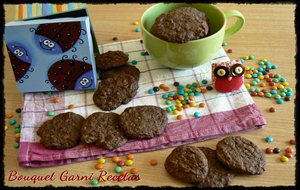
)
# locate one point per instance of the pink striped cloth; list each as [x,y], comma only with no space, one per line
[224,113]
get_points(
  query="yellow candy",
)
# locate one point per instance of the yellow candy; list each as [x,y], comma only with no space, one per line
[5,127]
[261,77]
[193,104]
[246,57]
[186,89]
[177,101]
[285,83]
[101,160]
[136,23]
[280,86]
[128,162]
[179,105]
[248,76]
[175,112]
[284,159]
[247,68]
[247,85]
[264,60]
[198,89]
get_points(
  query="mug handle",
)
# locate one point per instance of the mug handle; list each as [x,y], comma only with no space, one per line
[238,24]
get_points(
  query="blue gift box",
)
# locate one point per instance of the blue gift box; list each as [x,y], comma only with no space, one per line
[53,53]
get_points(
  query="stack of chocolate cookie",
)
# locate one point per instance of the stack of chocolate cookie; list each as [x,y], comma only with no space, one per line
[205,167]
[105,130]
[119,81]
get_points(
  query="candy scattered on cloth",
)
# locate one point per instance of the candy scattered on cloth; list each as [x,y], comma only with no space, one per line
[223,114]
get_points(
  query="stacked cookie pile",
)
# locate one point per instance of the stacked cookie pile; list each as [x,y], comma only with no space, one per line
[205,167]
[105,130]
[119,81]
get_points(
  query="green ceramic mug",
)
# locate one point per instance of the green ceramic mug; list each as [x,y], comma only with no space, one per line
[192,53]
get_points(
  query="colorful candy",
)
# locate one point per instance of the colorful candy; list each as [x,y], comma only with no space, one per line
[133,171]
[269,150]
[56,100]
[272,109]
[134,62]
[276,150]
[292,142]
[130,156]
[101,160]
[118,169]
[284,159]
[269,139]
[115,159]
[99,166]
[94,182]
[71,106]
[128,162]
[51,113]
[153,162]
[12,121]
[197,114]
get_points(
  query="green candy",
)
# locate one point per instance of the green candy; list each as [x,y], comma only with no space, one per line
[261,63]
[17,130]
[251,89]
[94,182]
[275,80]
[224,44]
[118,169]
[254,83]
[191,94]
[257,90]
[284,90]
[168,102]
[257,80]
[277,76]
[169,110]
[283,94]
[17,126]
[277,96]
[268,95]
[289,89]
[184,102]
[173,107]
[16,145]
[51,113]
[195,84]
[251,57]
[134,62]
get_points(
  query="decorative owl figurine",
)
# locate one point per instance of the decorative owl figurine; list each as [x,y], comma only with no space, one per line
[228,76]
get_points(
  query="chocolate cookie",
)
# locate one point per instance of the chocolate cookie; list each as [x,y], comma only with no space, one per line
[111,59]
[218,175]
[143,121]
[125,69]
[61,132]
[187,163]
[103,130]
[181,25]
[114,91]
[241,155]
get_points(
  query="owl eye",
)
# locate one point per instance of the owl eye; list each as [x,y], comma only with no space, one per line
[51,45]
[46,42]
[17,51]
[221,72]
[237,70]
[20,54]
[84,81]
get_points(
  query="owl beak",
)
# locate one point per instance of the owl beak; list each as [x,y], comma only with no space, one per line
[229,78]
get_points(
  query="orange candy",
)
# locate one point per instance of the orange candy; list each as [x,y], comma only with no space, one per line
[166,89]
[202,105]
[255,71]
[274,87]
[123,173]
[289,150]
[71,106]
[179,108]
[203,90]
[186,106]
[153,162]
[266,76]
[99,166]
[191,98]
[162,86]
[180,117]
[262,84]
[133,171]
[181,98]
[261,94]
[170,98]
[56,100]
[9,115]
[115,159]
[130,156]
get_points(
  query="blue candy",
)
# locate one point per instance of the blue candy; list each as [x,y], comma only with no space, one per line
[197,114]
[151,91]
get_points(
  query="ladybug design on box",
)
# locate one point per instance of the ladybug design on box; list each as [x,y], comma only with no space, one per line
[20,60]
[228,76]
[69,74]
[58,37]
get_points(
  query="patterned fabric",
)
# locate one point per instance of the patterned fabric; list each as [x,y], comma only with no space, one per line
[224,113]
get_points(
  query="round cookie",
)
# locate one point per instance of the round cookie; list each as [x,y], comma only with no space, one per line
[241,155]
[114,91]
[181,25]
[142,122]
[111,59]
[218,175]
[188,164]
[125,69]
[61,132]
[103,130]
